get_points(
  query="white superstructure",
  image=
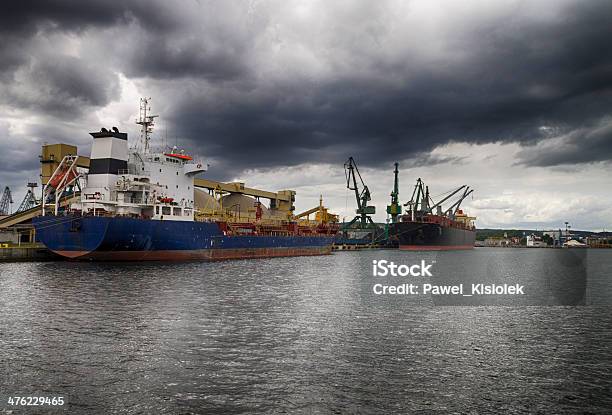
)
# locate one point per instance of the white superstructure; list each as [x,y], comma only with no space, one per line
[130,182]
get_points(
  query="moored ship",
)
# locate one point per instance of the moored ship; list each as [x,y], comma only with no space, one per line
[138,204]
[427,226]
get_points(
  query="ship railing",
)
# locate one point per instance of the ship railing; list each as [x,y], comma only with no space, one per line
[93,197]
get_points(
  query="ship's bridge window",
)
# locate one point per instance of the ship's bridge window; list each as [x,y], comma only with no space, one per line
[156,158]
[176,211]
[165,210]
[187,212]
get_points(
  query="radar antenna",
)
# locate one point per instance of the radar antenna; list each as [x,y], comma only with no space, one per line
[146,122]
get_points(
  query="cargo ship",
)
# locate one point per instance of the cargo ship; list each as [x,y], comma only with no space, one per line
[427,226]
[136,204]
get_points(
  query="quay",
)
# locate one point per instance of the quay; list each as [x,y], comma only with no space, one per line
[26,252]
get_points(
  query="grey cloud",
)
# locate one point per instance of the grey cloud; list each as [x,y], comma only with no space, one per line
[161,57]
[18,162]
[36,75]
[260,84]
[586,144]
[512,77]
[63,86]
[26,17]
[428,159]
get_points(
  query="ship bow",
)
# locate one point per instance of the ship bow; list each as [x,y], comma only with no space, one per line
[70,236]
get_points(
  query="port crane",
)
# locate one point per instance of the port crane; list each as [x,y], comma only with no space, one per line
[421,203]
[394,209]
[363,196]
[29,201]
[6,201]
[454,208]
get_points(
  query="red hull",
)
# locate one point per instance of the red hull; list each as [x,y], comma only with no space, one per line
[434,247]
[204,254]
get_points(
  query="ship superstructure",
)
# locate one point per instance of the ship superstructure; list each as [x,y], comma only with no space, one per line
[138,184]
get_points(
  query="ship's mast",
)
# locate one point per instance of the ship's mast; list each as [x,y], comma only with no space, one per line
[146,122]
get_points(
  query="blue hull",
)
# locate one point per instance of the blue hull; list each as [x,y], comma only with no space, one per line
[113,239]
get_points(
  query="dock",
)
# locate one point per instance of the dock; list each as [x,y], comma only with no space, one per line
[26,252]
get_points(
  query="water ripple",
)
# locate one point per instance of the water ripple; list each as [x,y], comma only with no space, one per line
[302,335]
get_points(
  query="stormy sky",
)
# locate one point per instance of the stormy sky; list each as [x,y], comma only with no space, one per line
[511,97]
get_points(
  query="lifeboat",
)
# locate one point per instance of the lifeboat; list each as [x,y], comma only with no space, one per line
[179,156]
[59,176]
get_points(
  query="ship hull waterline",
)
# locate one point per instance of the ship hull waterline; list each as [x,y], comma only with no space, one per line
[418,236]
[126,239]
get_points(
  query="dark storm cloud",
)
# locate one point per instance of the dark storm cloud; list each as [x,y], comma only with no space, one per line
[21,21]
[587,144]
[27,16]
[206,40]
[36,75]
[11,55]
[157,57]
[61,86]
[428,159]
[266,84]
[514,75]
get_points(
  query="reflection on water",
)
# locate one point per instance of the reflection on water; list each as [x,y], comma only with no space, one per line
[308,335]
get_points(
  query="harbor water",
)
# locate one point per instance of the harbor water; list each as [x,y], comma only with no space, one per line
[309,335]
